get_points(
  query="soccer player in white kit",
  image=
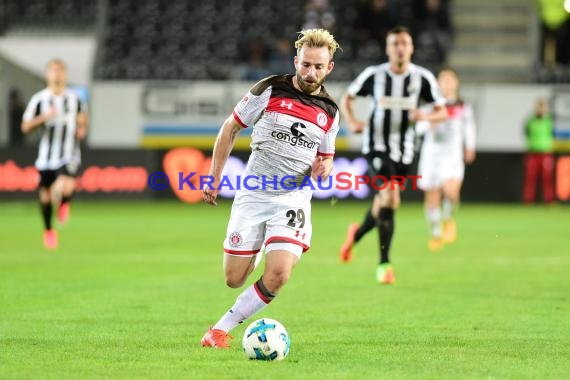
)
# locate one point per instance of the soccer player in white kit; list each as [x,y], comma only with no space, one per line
[295,123]
[446,148]
[62,118]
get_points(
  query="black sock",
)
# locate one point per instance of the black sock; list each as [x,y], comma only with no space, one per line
[385,225]
[368,224]
[46,214]
[67,198]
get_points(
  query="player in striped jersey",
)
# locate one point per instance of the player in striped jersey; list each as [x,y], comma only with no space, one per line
[294,123]
[397,88]
[445,150]
[62,119]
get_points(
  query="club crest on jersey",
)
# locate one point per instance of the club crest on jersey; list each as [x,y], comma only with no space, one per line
[235,240]
[322,119]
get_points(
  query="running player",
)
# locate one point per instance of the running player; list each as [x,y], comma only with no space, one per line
[445,149]
[397,87]
[295,123]
[62,119]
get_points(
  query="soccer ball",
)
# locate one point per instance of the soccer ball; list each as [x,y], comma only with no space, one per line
[266,339]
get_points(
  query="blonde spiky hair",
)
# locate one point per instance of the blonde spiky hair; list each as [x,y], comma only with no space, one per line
[316,38]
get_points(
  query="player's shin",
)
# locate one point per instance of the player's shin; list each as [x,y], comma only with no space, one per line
[385,224]
[433,216]
[448,208]
[46,209]
[367,224]
[249,302]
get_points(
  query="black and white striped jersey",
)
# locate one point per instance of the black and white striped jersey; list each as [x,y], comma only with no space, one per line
[58,144]
[393,95]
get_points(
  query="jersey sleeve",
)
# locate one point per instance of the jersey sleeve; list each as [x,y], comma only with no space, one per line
[470,128]
[430,92]
[82,106]
[327,145]
[33,108]
[363,85]
[251,107]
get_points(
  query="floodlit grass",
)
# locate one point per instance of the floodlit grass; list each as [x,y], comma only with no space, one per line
[134,286]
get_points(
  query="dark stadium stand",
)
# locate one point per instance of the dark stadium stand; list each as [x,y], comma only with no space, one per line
[188,39]
[486,40]
[52,14]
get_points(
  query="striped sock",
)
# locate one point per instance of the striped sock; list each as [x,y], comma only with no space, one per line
[249,302]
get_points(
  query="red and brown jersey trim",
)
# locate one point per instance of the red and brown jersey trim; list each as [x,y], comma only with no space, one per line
[285,98]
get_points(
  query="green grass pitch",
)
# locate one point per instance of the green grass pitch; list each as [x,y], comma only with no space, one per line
[134,285]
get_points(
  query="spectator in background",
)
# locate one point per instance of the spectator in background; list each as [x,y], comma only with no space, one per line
[433,31]
[280,61]
[373,21]
[555,43]
[319,14]
[16,108]
[539,160]
[255,56]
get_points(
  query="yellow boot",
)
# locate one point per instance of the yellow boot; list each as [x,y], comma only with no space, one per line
[449,231]
[435,244]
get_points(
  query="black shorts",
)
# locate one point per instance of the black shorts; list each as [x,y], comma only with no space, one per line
[48,177]
[70,170]
[384,168]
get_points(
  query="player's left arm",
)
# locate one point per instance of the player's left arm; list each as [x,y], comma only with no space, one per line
[323,164]
[430,93]
[469,134]
[435,117]
[82,121]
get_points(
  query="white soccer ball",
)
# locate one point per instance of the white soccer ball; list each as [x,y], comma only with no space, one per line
[266,339]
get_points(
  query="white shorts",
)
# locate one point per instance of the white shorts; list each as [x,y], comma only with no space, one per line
[435,170]
[276,221]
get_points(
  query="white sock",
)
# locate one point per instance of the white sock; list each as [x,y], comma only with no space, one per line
[247,304]
[447,209]
[433,216]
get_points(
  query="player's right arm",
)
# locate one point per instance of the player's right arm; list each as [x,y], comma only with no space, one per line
[222,149]
[32,117]
[346,105]
[361,86]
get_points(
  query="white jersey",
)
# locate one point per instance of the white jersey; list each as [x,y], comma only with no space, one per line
[58,144]
[442,156]
[450,137]
[290,128]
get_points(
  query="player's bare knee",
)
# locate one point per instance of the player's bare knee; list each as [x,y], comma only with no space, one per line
[235,279]
[234,283]
[276,278]
[44,196]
